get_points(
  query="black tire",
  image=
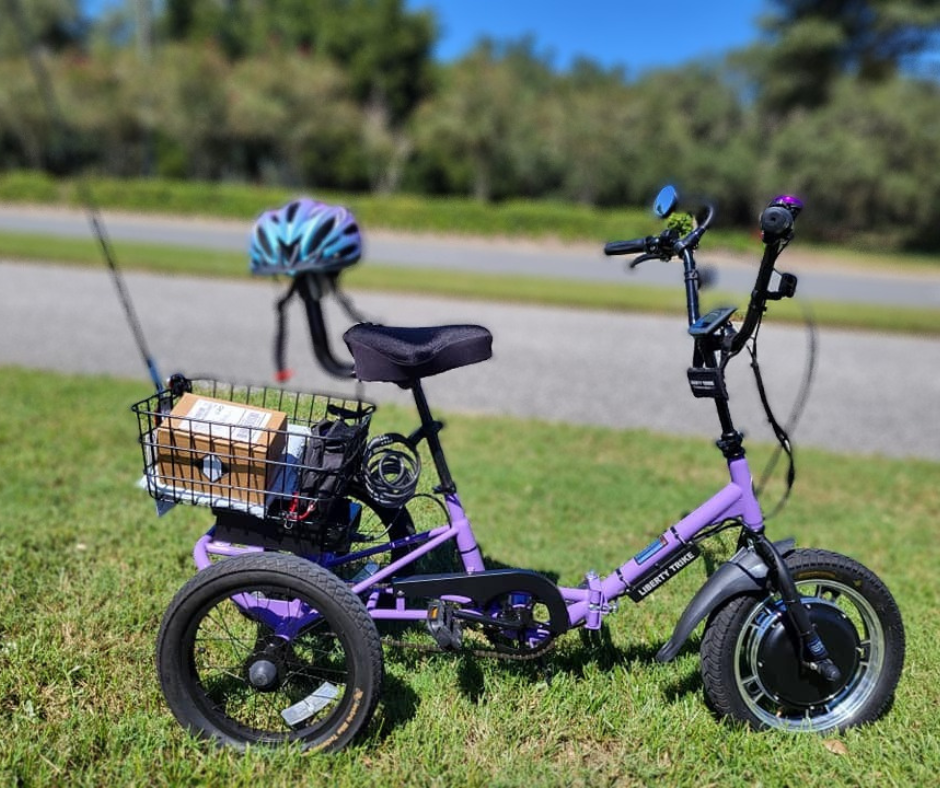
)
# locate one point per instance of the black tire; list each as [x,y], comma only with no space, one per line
[227,676]
[752,672]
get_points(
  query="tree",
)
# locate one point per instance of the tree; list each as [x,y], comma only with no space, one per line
[597,114]
[865,164]
[53,25]
[226,23]
[25,127]
[385,51]
[104,103]
[190,99]
[694,131]
[291,120]
[383,48]
[813,42]
[483,124]
[44,38]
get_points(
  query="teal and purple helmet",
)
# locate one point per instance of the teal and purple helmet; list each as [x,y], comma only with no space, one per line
[304,235]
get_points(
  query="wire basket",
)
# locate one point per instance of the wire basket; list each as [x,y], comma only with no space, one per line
[258,450]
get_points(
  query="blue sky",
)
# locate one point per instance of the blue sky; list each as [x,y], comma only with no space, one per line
[637,34]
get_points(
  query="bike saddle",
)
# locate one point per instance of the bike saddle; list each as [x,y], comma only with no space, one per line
[404,355]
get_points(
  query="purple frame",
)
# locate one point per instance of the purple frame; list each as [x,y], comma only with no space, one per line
[647,570]
[587,605]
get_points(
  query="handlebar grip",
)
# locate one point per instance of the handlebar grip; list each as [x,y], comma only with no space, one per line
[776,221]
[637,246]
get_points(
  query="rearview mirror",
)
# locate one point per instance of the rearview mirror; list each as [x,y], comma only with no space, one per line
[666,201]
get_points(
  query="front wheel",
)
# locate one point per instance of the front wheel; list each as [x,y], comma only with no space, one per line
[751,667]
[268,649]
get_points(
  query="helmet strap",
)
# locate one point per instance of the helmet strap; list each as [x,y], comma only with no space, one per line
[346,302]
[282,373]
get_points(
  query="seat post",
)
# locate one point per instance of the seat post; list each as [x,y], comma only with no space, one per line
[429,429]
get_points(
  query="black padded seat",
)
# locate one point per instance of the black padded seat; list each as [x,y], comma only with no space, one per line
[403,355]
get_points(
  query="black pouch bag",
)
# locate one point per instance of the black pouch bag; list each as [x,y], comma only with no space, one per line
[327,465]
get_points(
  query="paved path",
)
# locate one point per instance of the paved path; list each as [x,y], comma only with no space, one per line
[583,262]
[872,394]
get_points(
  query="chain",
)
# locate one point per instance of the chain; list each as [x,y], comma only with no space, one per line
[493,653]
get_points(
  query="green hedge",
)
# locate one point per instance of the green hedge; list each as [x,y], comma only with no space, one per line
[406,213]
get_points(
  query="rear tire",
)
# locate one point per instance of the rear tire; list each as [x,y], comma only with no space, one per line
[268,649]
[751,669]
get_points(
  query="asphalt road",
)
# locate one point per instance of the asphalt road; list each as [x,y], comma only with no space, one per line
[580,262]
[873,394]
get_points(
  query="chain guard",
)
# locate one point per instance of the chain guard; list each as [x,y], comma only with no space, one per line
[485,587]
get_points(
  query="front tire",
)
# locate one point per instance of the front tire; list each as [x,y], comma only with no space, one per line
[752,671]
[268,649]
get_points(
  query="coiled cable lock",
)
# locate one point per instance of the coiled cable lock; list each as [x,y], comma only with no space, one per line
[391,469]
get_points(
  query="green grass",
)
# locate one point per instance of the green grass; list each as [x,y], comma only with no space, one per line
[511,288]
[88,570]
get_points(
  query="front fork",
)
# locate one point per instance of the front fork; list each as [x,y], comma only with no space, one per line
[813,652]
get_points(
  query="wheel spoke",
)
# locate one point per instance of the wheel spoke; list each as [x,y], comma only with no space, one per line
[219,618]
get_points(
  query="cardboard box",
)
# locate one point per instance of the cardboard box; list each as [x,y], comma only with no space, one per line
[226,450]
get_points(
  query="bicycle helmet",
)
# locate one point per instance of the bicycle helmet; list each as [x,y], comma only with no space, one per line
[304,235]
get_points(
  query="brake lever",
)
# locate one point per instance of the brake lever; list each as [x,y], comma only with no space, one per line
[644,257]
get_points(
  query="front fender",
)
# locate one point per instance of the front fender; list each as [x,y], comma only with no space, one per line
[743,573]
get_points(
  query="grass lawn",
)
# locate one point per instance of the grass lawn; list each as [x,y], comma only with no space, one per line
[88,570]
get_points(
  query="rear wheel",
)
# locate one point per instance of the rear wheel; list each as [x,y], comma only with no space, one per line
[268,649]
[751,668]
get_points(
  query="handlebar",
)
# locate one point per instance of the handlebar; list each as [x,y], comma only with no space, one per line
[776,224]
[637,246]
[667,244]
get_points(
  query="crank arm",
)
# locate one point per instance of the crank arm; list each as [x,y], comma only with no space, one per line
[474,618]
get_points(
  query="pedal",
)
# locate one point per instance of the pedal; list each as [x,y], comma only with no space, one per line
[444,626]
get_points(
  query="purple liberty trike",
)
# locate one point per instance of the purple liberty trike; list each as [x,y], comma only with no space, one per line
[276,639]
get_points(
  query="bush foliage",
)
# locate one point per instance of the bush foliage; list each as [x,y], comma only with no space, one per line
[342,95]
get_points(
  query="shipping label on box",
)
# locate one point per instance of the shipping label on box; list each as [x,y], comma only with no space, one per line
[225,450]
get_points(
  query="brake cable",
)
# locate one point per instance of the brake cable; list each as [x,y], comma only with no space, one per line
[781,433]
[56,118]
